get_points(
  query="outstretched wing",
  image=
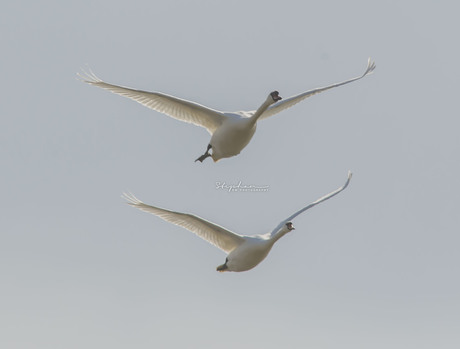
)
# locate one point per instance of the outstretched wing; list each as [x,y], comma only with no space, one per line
[321,199]
[220,237]
[291,101]
[174,107]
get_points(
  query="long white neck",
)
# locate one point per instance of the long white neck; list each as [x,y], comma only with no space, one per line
[279,234]
[269,101]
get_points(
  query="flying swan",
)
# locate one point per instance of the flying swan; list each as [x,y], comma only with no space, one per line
[230,131]
[243,252]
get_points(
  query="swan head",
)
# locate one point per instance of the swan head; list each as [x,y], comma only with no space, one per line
[275,96]
[286,228]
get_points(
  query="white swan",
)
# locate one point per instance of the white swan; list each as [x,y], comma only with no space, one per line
[244,252]
[230,131]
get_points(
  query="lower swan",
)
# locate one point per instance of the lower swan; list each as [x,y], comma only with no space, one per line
[244,252]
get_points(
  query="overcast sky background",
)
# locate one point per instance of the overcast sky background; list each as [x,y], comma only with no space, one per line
[375,267]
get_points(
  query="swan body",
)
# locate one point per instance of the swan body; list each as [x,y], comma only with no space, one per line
[236,132]
[244,252]
[230,132]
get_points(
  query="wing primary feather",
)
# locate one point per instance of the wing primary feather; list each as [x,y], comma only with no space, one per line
[291,101]
[177,108]
[314,203]
[218,236]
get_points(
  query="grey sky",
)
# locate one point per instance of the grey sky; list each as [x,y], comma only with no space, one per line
[375,267]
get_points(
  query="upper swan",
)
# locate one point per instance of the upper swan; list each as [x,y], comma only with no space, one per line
[230,131]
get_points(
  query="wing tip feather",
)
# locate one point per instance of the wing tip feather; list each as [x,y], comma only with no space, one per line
[370,67]
[131,199]
[88,76]
[350,174]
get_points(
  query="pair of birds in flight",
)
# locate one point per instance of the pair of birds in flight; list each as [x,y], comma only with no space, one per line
[230,133]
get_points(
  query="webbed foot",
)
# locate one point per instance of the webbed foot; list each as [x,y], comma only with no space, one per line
[205,155]
[202,157]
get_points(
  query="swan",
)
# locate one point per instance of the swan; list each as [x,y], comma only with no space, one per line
[244,252]
[230,131]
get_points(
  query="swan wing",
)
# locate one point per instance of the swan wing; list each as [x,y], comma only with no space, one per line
[220,237]
[321,199]
[174,107]
[291,101]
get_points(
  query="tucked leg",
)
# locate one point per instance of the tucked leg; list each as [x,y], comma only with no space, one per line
[223,267]
[205,155]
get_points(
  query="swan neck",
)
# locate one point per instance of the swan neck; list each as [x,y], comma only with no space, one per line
[278,235]
[260,111]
